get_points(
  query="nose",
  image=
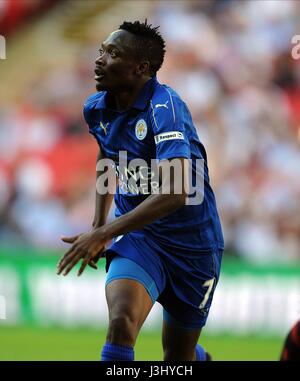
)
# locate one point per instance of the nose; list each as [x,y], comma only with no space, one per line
[100,60]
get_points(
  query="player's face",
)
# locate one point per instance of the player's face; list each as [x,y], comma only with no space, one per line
[116,65]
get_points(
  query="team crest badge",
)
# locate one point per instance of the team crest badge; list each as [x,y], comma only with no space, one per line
[141,129]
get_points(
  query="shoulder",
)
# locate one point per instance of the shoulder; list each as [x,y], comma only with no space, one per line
[166,101]
[92,100]
[165,93]
[91,103]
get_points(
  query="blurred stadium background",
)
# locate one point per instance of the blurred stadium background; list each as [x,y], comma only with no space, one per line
[231,62]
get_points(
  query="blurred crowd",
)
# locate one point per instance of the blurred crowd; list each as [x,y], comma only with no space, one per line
[15,13]
[231,63]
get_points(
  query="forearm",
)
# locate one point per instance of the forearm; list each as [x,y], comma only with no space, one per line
[104,197]
[172,196]
[153,208]
[102,207]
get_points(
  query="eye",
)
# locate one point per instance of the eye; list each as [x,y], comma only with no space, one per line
[101,51]
[113,53]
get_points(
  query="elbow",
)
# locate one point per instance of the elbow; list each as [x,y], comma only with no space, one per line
[182,199]
[179,200]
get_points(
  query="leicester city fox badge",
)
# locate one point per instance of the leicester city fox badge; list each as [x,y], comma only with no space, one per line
[141,129]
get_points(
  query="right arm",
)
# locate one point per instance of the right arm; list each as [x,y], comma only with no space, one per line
[103,199]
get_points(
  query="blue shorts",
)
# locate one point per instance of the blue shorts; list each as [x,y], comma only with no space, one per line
[124,268]
[183,286]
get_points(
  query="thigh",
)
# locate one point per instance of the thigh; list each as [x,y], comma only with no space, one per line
[125,268]
[138,249]
[129,298]
[130,294]
[179,343]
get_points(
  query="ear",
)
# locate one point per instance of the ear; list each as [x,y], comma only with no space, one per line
[143,68]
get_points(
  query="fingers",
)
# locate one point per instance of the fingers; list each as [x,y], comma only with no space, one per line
[61,263]
[96,258]
[70,239]
[70,260]
[84,264]
[68,267]
[93,265]
[93,262]
[66,256]
[76,252]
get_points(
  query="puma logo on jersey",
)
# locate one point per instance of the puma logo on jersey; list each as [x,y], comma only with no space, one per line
[162,105]
[104,127]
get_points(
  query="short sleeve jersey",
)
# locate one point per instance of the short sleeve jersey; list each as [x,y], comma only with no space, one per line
[157,127]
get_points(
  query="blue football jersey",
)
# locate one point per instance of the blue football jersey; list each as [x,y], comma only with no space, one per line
[158,126]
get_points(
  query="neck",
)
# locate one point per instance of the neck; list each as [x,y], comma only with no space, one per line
[126,98]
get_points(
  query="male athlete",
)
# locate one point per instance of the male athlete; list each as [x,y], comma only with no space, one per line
[164,249]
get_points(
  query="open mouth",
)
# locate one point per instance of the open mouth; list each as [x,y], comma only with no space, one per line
[98,75]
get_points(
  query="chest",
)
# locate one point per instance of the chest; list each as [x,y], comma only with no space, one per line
[130,132]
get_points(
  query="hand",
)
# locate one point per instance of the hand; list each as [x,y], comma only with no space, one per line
[87,246]
[93,262]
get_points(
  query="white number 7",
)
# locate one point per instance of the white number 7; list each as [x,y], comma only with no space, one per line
[209,283]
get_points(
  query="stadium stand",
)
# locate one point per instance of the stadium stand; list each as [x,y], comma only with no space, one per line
[231,64]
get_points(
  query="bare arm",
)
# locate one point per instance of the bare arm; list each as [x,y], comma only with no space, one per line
[103,199]
[156,205]
[89,245]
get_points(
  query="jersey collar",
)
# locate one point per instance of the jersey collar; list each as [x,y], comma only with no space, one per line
[142,99]
[145,94]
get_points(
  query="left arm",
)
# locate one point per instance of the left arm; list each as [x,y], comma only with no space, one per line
[156,206]
[172,196]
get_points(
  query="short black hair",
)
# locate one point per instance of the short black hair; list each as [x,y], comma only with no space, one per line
[149,43]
